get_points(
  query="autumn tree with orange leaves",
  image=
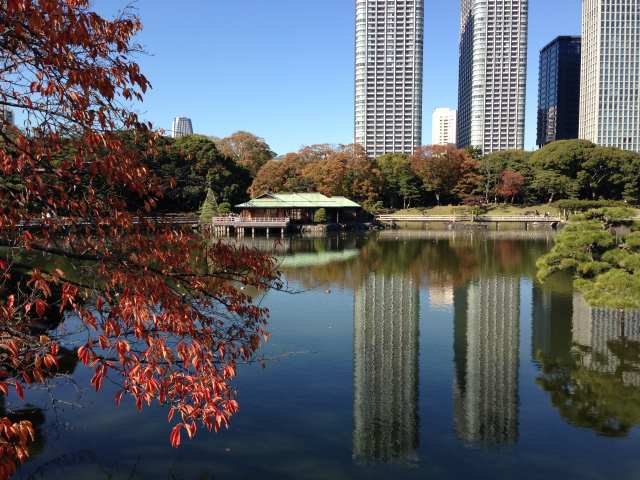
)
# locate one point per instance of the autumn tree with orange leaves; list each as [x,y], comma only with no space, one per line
[163,316]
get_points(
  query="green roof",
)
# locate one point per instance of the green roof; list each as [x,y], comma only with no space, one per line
[298,200]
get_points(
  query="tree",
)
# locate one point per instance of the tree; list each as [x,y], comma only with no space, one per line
[362,181]
[163,313]
[469,188]
[440,168]
[493,164]
[605,263]
[555,169]
[320,216]
[195,165]
[401,185]
[209,207]
[281,175]
[327,175]
[510,184]
[247,150]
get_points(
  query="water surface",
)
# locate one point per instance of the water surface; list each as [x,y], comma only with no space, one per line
[403,355]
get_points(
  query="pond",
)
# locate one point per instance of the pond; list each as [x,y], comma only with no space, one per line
[401,354]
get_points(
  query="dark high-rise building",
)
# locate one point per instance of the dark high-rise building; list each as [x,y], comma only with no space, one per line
[559,90]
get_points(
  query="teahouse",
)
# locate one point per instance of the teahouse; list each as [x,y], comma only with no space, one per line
[299,207]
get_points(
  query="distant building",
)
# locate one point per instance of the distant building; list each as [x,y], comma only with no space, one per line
[559,90]
[443,126]
[385,369]
[486,357]
[493,74]
[299,207]
[388,75]
[610,73]
[7,116]
[181,127]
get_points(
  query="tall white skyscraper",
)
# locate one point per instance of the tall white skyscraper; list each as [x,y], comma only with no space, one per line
[443,126]
[388,102]
[493,74]
[610,73]
[181,127]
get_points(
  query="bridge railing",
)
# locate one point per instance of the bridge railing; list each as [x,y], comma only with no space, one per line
[235,221]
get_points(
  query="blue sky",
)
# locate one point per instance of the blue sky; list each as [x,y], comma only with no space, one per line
[283,69]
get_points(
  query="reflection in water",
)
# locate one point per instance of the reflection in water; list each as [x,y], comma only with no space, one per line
[486,348]
[598,386]
[596,331]
[385,370]
[550,325]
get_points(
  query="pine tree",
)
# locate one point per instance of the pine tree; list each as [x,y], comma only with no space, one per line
[209,207]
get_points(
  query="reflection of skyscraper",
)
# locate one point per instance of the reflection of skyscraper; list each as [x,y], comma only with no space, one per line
[385,369]
[551,325]
[486,347]
[594,330]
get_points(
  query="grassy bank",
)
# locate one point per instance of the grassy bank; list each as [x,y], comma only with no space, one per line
[493,210]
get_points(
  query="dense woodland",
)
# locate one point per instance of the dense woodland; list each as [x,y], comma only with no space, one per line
[242,166]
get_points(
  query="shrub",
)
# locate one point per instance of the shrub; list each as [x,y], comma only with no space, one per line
[320,216]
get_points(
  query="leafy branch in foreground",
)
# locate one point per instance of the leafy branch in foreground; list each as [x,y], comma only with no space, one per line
[164,316]
[602,249]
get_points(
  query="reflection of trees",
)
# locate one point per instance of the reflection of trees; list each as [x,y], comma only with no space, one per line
[448,261]
[598,386]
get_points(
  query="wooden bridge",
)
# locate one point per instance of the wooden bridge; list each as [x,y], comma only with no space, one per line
[452,219]
[239,225]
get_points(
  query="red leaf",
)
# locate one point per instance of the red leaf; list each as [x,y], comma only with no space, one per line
[19,390]
[175,436]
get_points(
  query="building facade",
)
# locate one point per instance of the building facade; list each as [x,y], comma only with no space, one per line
[559,90]
[388,75]
[443,126]
[492,74]
[610,73]
[386,333]
[7,116]
[181,127]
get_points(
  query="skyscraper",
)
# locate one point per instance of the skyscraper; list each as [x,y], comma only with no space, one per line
[443,126]
[492,74]
[385,369]
[486,356]
[181,127]
[388,73]
[610,73]
[6,115]
[559,90]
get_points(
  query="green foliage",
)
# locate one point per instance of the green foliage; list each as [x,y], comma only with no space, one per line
[574,205]
[582,170]
[402,186]
[209,207]
[588,397]
[320,216]
[603,257]
[224,208]
[196,165]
